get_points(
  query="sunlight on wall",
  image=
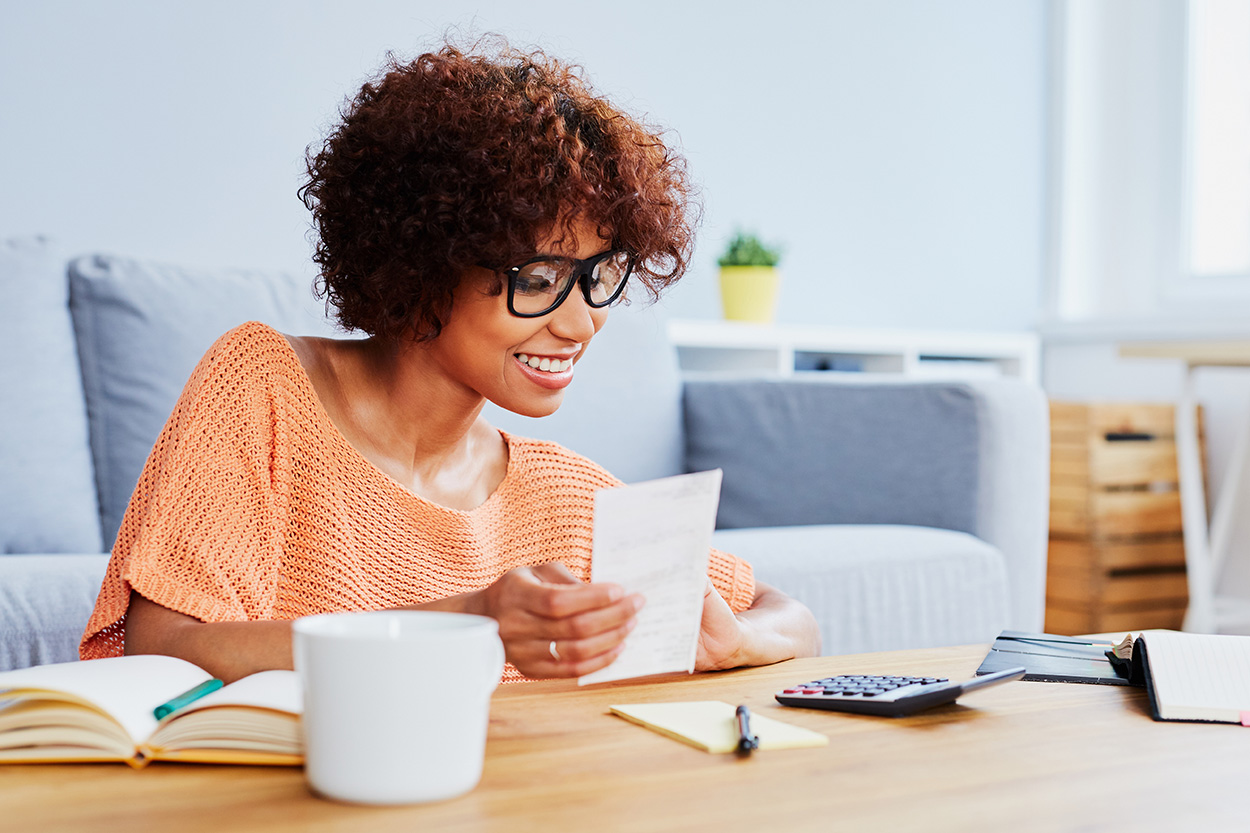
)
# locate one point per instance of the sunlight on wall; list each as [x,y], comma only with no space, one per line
[1219,148]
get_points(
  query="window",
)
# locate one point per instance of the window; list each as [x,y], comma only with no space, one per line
[1218,149]
[1150,162]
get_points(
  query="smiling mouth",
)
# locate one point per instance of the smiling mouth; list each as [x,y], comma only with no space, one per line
[545,364]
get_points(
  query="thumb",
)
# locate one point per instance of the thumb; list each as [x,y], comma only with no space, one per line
[554,572]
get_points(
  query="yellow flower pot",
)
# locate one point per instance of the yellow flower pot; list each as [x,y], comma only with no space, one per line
[749,293]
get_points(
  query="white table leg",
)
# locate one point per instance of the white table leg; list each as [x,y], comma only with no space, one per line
[1233,494]
[1200,616]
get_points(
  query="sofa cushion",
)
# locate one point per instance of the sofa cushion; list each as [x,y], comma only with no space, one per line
[623,409]
[882,588]
[45,601]
[829,452]
[47,491]
[141,328]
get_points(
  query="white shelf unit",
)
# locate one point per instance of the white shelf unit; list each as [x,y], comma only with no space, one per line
[715,347]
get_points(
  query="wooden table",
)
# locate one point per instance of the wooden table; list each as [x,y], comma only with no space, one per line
[1024,756]
[1207,545]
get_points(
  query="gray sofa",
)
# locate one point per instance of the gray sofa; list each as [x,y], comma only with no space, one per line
[905,514]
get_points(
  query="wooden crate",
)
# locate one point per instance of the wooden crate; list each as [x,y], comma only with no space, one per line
[1061,620]
[1117,556]
[1110,585]
[1113,470]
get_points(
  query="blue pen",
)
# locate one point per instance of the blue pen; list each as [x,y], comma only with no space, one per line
[186,698]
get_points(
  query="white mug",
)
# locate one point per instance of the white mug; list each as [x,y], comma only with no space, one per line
[396,703]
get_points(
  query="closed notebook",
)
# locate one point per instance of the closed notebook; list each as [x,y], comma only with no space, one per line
[711,725]
[102,710]
[1054,658]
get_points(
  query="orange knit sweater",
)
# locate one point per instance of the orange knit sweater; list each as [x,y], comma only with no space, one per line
[253,506]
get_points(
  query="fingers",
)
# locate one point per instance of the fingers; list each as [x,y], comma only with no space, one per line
[584,642]
[574,658]
[592,622]
[538,606]
[554,593]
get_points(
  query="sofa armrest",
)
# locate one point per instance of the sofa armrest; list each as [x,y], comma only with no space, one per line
[970,456]
[1013,511]
[45,601]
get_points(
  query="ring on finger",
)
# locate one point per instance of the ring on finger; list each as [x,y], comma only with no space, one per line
[551,649]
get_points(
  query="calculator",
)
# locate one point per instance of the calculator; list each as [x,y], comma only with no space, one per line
[891,696]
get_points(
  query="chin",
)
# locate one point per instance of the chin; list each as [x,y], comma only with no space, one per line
[532,408]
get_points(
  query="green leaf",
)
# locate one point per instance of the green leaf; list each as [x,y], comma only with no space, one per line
[746,250]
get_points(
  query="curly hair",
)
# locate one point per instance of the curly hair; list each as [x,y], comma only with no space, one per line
[460,159]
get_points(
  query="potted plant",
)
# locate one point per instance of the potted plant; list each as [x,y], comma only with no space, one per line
[749,279]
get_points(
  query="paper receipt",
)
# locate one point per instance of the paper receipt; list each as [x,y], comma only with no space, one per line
[653,538]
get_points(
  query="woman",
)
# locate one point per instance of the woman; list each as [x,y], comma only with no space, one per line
[477,215]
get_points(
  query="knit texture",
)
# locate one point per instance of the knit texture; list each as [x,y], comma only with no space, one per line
[253,506]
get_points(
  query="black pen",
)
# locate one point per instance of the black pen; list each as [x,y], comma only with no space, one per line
[746,741]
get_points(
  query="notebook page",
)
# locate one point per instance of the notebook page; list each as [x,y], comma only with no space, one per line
[276,690]
[236,717]
[127,688]
[653,538]
[1199,676]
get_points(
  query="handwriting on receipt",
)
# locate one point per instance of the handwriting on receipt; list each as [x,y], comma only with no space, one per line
[653,538]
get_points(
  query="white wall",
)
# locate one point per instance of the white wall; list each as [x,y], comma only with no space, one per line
[895,147]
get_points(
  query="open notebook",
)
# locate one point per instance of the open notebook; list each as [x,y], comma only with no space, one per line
[1192,676]
[103,710]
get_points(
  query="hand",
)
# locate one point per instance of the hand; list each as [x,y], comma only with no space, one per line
[536,606]
[722,635]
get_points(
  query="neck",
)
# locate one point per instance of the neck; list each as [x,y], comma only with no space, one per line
[409,407]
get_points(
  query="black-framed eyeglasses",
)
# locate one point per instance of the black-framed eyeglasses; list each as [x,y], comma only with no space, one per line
[541,284]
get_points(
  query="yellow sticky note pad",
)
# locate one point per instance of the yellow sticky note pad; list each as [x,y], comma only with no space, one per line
[710,725]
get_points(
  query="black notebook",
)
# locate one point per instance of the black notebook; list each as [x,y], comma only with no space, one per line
[1056,659]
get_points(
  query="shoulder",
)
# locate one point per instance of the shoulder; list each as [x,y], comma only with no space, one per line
[248,368]
[544,459]
[245,356]
[250,343]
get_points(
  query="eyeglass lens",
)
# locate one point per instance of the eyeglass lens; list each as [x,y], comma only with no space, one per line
[538,286]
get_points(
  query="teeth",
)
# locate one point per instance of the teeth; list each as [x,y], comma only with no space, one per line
[548,364]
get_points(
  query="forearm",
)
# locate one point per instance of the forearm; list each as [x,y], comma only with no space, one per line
[228,650]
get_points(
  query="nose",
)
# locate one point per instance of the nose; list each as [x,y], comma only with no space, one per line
[576,320]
